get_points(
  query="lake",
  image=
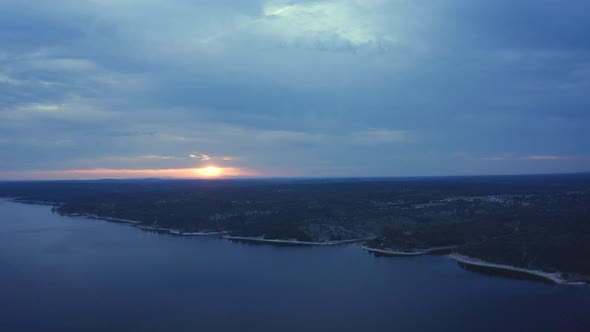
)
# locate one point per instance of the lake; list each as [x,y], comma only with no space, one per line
[75,274]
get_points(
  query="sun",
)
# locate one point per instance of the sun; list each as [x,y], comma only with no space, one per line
[209,171]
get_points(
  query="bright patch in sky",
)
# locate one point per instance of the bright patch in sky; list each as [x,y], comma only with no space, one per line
[104,173]
[324,23]
[209,171]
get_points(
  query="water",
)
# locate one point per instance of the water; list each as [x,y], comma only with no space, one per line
[74,274]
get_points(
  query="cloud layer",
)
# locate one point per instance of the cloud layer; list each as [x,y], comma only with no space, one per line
[295,88]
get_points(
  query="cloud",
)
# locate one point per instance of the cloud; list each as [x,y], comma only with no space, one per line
[4,79]
[541,157]
[151,156]
[59,65]
[200,156]
[513,157]
[295,87]
[134,133]
[75,109]
[330,25]
[382,136]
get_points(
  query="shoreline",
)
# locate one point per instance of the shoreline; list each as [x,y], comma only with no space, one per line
[29,201]
[292,242]
[119,220]
[555,277]
[415,252]
[140,225]
[177,231]
[94,216]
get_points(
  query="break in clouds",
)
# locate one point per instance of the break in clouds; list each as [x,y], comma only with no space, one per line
[293,88]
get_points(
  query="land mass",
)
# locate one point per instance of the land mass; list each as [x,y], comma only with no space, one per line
[552,277]
[534,223]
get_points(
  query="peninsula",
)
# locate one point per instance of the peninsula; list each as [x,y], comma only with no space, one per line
[536,223]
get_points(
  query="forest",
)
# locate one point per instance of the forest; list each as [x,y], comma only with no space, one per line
[533,221]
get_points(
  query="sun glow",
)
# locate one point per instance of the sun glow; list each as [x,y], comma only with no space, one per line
[209,171]
[108,173]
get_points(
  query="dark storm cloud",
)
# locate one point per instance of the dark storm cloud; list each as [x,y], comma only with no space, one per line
[533,24]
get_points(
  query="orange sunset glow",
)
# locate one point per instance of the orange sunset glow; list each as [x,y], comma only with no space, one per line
[208,172]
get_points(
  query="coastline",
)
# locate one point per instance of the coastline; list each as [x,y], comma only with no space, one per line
[29,201]
[94,216]
[177,231]
[556,277]
[139,224]
[292,242]
[111,219]
[415,252]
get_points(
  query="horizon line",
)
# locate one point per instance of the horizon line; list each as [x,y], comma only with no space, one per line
[351,177]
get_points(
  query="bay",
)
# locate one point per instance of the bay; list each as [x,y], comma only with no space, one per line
[75,274]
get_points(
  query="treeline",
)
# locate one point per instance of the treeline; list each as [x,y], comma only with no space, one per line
[537,221]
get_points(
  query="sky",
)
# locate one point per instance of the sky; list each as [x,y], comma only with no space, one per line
[273,88]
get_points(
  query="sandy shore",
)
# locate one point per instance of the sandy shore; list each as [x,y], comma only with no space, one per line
[38,202]
[178,232]
[28,201]
[556,277]
[415,252]
[293,242]
[128,221]
[139,225]
[93,216]
[153,228]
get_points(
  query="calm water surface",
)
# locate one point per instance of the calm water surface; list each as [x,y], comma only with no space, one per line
[74,274]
